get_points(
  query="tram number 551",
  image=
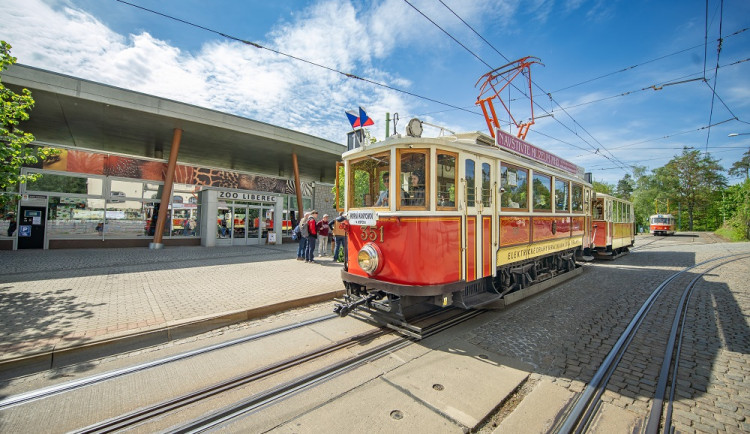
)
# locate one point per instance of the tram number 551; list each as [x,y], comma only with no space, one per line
[370,233]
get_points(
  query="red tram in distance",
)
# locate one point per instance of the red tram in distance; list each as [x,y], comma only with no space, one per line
[662,224]
[461,220]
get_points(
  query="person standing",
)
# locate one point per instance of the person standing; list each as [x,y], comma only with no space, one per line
[323,228]
[12,227]
[303,234]
[312,232]
[339,233]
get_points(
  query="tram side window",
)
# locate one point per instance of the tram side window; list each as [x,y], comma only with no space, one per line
[577,198]
[562,188]
[542,187]
[515,182]
[413,178]
[599,209]
[368,181]
[486,185]
[470,183]
[446,180]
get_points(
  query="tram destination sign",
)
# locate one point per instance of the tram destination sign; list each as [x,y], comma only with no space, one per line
[514,144]
[363,217]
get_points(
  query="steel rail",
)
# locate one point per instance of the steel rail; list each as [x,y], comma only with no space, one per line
[130,419]
[285,390]
[578,416]
[45,392]
[672,357]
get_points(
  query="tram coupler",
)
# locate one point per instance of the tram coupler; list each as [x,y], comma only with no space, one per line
[343,310]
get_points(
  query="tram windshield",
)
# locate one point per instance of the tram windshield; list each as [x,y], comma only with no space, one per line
[369,181]
[660,220]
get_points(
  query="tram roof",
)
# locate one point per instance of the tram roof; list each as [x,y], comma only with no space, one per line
[474,141]
[74,112]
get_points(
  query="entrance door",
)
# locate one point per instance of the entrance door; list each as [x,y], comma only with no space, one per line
[239,225]
[253,225]
[31,227]
[479,202]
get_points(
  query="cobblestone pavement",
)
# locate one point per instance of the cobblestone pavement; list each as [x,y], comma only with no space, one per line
[60,298]
[567,332]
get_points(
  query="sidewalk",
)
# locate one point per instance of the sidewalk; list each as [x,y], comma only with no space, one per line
[62,306]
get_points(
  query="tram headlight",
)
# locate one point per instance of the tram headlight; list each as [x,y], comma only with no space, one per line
[369,259]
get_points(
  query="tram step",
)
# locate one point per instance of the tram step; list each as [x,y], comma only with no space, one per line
[475,300]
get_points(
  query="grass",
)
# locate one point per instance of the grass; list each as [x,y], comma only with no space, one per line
[730,233]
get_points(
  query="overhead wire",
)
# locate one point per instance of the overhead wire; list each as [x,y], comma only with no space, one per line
[716,73]
[644,63]
[300,59]
[680,80]
[596,150]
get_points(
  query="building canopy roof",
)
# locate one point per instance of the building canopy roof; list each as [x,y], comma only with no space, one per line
[74,112]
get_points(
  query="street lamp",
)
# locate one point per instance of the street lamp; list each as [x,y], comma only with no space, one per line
[737,134]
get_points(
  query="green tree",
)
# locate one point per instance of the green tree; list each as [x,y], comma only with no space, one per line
[603,187]
[742,166]
[15,150]
[645,192]
[737,211]
[694,181]
[625,187]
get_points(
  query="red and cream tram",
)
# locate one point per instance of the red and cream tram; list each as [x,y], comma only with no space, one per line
[460,220]
[613,225]
[661,224]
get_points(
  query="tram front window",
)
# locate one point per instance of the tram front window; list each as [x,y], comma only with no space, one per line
[413,178]
[369,180]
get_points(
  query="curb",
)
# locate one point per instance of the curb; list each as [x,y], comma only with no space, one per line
[59,357]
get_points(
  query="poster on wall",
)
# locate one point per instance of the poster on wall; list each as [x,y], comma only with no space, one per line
[78,161]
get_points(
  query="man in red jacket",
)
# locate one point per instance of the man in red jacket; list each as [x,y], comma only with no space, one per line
[312,237]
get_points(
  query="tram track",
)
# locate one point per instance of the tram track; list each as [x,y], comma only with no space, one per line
[277,392]
[285,372]
[584,408]
[69,386]
[258,401]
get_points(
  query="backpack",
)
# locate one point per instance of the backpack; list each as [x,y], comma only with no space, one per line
[304,231]
[296,234]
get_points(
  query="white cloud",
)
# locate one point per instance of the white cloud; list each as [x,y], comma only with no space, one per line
[225,75]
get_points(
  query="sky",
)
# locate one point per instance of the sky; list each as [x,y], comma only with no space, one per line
[618,83]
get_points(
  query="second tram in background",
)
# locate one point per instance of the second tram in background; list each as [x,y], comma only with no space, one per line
[662,224]
[613,228]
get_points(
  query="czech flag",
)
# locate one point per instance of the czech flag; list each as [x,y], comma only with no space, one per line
[363,119]
[353,119]
[359,121]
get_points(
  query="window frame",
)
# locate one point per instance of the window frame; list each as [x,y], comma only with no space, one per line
[568,191]
[374,195]
[584,197]
[528,196]
[439,207]
[427,176]
[533,195]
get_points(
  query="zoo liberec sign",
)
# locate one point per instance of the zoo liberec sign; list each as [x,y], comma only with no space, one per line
[514,144]
[246,196]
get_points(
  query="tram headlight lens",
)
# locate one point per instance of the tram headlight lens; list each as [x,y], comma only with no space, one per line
[369,259]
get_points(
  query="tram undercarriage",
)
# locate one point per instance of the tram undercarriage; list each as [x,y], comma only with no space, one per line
[486,292]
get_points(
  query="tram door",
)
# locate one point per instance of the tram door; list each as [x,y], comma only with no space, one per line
[479,202]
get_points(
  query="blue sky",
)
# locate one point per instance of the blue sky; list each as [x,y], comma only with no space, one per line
[600,60]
